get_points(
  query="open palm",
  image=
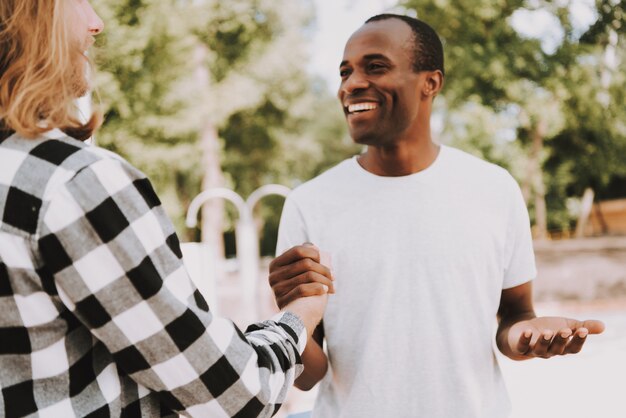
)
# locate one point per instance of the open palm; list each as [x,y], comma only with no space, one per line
[550,336]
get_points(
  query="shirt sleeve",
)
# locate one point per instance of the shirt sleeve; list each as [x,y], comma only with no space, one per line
[292,229]
[118,267]
[519,263]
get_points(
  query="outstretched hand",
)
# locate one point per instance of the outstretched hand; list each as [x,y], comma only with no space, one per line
[298,273]
[547,336]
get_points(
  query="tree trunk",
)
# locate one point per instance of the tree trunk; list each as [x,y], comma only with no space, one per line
[213,211]
[604,228]
[539,188]
[527,181]
[585,211]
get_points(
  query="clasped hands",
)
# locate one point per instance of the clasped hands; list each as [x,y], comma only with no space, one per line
[299,272]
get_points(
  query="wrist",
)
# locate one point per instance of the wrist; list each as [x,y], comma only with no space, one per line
[306,315]
[294,323]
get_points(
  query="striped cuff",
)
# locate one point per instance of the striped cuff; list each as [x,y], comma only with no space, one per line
[295,325]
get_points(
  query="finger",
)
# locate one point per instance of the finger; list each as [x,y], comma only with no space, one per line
[292,270]
[557,347]
[294,254]
[577,342]
[304,290]
[543,342]
[523,344]
[326,259]
[284,287]
[592,325]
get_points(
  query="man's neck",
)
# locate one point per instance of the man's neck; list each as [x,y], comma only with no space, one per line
[400,159]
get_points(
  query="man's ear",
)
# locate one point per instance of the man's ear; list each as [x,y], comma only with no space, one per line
[433,84]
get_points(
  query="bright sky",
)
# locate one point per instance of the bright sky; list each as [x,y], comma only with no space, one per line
[337,19]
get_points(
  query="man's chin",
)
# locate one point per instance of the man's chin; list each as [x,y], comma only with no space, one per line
[80,79]
[80,88]
[364,138]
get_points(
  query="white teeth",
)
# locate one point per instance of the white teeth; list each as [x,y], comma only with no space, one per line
[359,107]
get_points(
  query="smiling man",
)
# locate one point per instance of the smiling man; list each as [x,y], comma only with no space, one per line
[429,245]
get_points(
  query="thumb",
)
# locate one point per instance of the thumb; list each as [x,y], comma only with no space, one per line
[594,326]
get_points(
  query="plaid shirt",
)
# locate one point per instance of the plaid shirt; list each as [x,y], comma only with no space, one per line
[98,315]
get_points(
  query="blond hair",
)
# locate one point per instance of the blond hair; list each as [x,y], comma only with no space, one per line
[38,70]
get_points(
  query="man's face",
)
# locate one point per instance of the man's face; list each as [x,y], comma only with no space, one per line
[379,90]
[83,24]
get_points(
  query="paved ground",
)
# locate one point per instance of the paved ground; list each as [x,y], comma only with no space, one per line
[583,279]
[591,384]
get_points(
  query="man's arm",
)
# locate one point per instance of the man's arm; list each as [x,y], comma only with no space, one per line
[522,335]
[117,267]
[314,361]
[295,274]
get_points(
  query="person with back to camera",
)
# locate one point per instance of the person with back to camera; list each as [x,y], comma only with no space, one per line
[428,245]
[98,316]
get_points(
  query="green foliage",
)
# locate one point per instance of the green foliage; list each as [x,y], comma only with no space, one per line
[231,30]
[611,16]
[274,125]
[143,60]
[500,82]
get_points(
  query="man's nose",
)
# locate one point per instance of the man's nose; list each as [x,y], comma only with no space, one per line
[354,82]
[95,23]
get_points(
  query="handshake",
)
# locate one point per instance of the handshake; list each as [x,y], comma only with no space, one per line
[301,279]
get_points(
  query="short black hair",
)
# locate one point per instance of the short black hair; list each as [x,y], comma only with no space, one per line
[427,48]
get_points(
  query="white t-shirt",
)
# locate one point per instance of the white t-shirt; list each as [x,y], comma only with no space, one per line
[420,262]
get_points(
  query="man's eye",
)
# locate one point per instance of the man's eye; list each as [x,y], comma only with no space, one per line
[374,66]
[344,73]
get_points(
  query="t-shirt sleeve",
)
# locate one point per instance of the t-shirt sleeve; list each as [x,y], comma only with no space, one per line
[118,268]
[519,262]
[292,229]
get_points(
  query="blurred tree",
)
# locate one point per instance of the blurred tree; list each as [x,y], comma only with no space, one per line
[270,109]
[591,150]
[491,63]
[209,93]
[224,36]
[143,63]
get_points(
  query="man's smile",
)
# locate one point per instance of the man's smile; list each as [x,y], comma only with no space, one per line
[362,107]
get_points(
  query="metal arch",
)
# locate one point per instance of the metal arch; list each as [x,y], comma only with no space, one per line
[267,190]
[220,192]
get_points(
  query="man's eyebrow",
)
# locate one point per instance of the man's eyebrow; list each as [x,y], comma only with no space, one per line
[368,57]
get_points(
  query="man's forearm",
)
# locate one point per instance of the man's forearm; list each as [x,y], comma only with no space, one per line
[502,335]
[315,365]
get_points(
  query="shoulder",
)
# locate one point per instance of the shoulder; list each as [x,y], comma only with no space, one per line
[35,170]
[465,159]
[473,168]
[68,158]
[95,173]
[327,182]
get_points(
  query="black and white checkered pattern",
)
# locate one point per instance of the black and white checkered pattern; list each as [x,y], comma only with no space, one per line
[97,313]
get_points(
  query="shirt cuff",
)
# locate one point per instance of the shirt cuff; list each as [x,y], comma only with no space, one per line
[295,324]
